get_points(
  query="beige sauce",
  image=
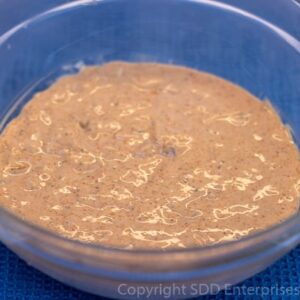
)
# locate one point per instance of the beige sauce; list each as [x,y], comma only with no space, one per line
[149,156]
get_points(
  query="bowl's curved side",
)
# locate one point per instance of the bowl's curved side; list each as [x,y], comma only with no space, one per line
[122,274]
[128,289]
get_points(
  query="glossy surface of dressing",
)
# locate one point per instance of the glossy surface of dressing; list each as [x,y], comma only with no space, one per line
[149,156]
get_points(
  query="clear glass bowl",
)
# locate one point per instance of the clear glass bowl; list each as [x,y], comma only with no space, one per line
[252,46]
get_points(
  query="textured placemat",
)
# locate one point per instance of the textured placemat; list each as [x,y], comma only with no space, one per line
[20,281]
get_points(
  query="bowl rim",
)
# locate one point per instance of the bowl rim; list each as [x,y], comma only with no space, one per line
[245,242]
[290,39]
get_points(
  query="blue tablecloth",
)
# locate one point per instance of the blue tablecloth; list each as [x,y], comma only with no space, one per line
[20,281]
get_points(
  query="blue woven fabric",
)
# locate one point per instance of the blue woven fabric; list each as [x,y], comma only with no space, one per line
[20,281]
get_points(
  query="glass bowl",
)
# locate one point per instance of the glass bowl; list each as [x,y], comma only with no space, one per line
[251,46]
